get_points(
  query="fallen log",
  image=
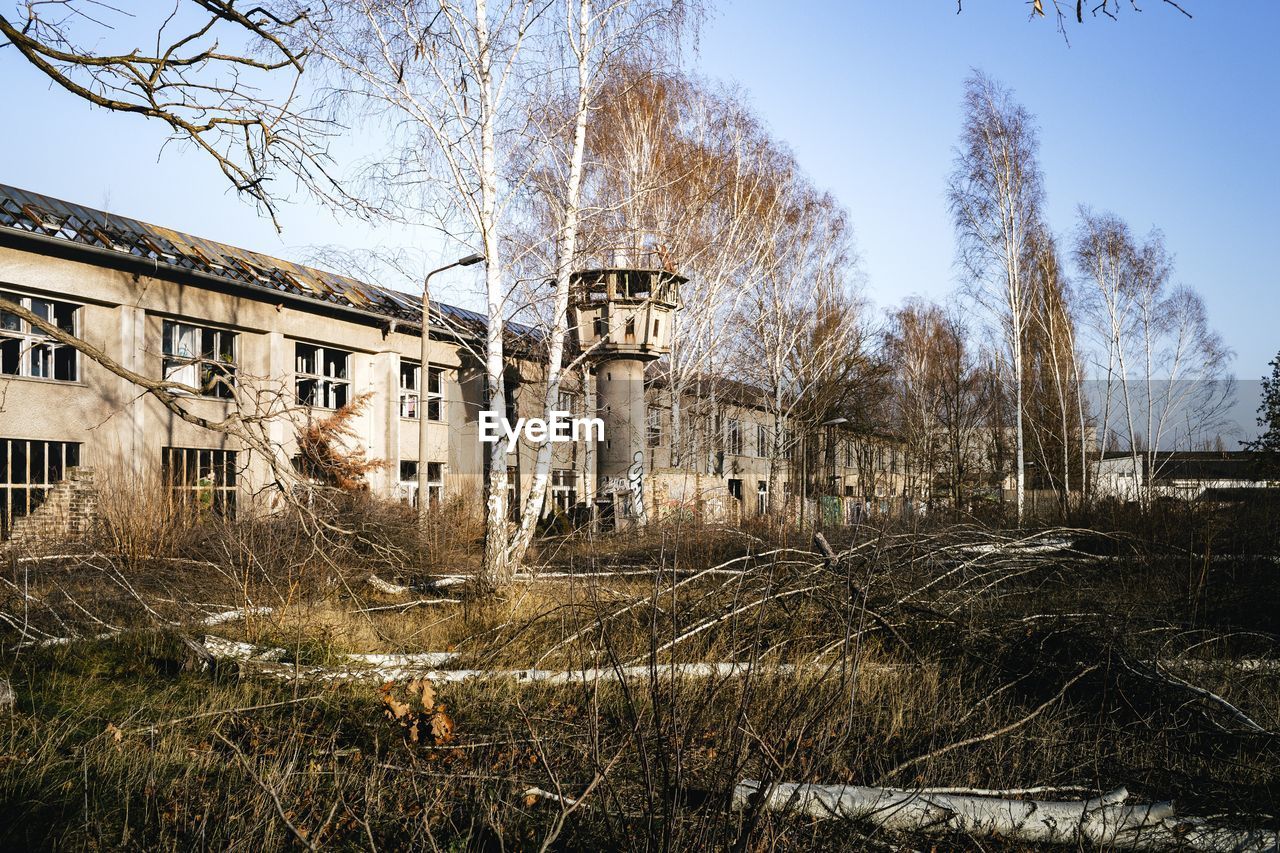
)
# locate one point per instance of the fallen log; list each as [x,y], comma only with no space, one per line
[1106,820]
[234,614]
[381,668]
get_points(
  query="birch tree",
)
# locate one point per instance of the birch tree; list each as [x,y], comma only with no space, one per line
[441,81]
[798,322]
[1053,395]
[1162,362]
[593,34]
[996,193]
[679,178]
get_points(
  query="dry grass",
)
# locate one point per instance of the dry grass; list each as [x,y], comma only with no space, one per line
[942,657]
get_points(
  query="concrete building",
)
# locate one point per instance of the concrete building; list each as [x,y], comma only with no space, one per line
[279,345]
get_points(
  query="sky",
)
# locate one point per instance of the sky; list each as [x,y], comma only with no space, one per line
[1165,121]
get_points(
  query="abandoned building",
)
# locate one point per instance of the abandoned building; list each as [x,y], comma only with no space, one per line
[280,343]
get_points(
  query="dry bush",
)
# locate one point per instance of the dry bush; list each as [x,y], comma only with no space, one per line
[139,517]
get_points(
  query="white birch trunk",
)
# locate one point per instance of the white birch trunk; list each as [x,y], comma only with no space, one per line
[1106,820]
[566,255]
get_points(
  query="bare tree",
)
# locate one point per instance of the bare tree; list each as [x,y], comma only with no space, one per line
[443,80]
[1163,364]
[798,324]
[996,194]
[594,34]
[240,106]
[1053,395]
[679,177]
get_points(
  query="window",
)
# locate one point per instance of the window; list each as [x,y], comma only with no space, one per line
[733,436]
[564,489]
[601,325]
[735,490]
[762,497]
[762,440]
[409,482]
[511,411]
[409,387]
[788,444]
[27,351]
[435,394]
[323,377]
[654,429]
[28,469]
[200,358]
[848,454]
[410,377]
[202,480]
[567,401]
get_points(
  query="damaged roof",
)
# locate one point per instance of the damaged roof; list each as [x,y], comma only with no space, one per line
[43,216]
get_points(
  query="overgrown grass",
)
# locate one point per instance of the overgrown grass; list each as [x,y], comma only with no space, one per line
[940,656]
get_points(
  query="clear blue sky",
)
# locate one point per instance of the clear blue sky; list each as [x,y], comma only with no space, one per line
[1166,121]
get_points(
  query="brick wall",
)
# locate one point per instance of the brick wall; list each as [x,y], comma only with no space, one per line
[68,512]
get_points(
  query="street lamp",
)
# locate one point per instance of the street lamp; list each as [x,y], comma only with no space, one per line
[424,381]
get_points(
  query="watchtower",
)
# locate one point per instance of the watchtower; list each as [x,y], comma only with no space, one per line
[624,320]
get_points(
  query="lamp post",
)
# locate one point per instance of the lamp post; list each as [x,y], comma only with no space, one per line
[424,382]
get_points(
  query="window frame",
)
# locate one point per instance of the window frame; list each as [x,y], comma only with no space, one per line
[35,491]
[563,489]
[733,436]
[326,387]
[408,479]
[653,427]
[223,471]
[31,341]
[412,394]
[172,362]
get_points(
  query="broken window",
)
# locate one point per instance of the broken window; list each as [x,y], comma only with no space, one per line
[409,482]
[322,374]
[762,497]
[27,351]
[409,388]
[28,470]
[200,358]
[655,427]
[564,489]
[735,490]
[201,480]
[435,395]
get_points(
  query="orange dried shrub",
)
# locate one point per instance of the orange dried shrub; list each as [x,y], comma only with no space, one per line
[324,449]
[417,712]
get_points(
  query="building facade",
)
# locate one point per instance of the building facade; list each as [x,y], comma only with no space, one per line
[277,345]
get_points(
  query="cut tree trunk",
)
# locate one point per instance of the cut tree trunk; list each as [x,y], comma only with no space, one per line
[1105,820]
